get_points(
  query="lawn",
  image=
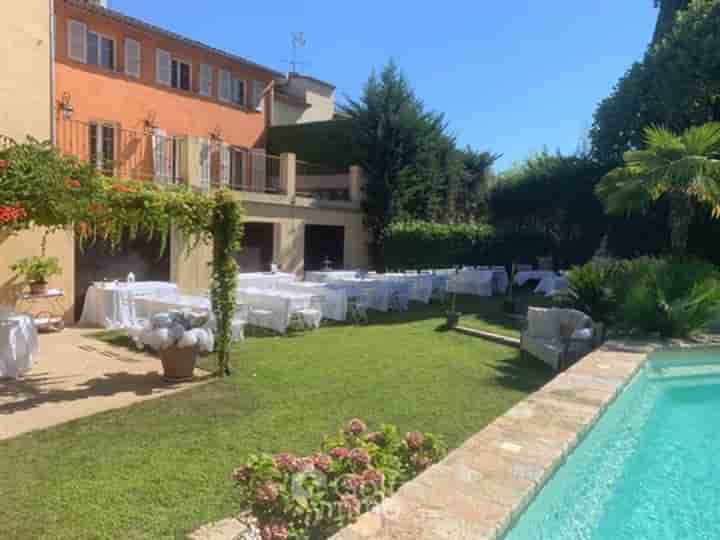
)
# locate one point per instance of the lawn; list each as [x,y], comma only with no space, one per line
[161,468]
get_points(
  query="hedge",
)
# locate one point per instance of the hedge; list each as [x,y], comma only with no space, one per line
[418,245]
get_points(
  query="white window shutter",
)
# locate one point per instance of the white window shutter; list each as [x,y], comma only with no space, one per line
[224,165]
[204,165]
[77,41]
[205,80]
[132,57]
[160,163]
[225,85]
[163,67]
[257,98]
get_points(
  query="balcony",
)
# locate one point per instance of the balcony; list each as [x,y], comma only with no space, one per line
[322,183]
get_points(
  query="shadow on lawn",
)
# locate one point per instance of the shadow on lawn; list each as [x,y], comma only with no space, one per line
[523,373]
[32,392]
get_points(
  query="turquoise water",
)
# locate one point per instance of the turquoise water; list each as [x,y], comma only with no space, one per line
[649,469]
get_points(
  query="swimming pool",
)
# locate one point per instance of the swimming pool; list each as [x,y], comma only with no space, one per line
[649,469]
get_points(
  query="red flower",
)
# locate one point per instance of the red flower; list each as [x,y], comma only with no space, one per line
[340,452]
[415,440]
[72,183]
[349,505]
[266,493]
[351,482]
[286,462]
[360,457]
[4,164]
[322,462]
[356,426]
[9,214]
[373,477]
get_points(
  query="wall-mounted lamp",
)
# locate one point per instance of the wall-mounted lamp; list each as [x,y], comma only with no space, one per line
[216,135]
[151,122]
[66,106]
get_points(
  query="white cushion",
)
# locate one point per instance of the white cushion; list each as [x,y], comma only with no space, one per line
[582,333]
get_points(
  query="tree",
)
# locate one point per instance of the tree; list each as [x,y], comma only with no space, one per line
[404,152]
[467,200]
[684,169]
[666,17]
[676,84]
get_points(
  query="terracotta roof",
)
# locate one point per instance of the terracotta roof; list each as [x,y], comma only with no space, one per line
[137,23]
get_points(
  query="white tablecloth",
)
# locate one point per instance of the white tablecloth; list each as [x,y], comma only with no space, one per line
[327,276]
[378,291]
[111,305]
[263,279]
[421,285]
[334,304]
[479,282]
[147,306]
[552,285]
[281,303]
[526,275]
[18,344]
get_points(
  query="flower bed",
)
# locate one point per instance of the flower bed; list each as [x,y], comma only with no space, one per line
[312,497]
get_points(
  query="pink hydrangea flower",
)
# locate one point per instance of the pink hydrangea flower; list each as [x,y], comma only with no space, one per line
[349,505]
[360,457]
[420,461]
[340,452]
[286,462]
[274,531]
[323,462]
[243,474]
[356,426]
[351,482]
[373,477]
[415,440]
[306,464]
[266,493]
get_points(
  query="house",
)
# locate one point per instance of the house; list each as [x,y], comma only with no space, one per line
[300,99]
[140,102]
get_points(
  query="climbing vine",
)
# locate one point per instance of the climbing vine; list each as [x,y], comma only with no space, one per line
[41,187]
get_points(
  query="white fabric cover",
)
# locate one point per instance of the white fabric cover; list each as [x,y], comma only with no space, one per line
[334,301]
[332,275]
[552,285]
[421,285]
[543,340]
[282,304]
[378,292]
[263,279]
[18,344]
[112,305]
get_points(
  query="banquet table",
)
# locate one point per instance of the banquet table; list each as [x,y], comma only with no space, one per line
[147,306]
[524,276]
[379,292]
[263,279]
[334,301]
[421,285]
[327,276]
[479,282]
[18,344]
[552,285]
[111,305]
[283,304]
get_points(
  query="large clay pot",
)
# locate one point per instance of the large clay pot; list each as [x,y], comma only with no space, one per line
[38,288]
[178,363]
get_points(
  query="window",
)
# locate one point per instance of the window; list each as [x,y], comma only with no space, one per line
[257,97]
[206,74]
[163,67]
[236,168]
[238,92]
[225,87]
[132,57]
[101,144]
[180,75]
[100,51]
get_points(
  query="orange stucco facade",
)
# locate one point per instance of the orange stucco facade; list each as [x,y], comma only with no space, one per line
[97,94]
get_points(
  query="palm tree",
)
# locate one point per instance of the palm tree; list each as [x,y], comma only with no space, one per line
[683,168]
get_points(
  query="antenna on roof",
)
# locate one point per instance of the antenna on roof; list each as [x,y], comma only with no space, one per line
[298,42]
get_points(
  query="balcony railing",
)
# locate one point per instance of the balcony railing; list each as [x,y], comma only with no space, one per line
[243,169]
[125,153]
[321,182]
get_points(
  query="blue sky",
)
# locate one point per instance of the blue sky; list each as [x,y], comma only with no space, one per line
[511,76]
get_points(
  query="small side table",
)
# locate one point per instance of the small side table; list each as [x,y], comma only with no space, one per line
[49,320]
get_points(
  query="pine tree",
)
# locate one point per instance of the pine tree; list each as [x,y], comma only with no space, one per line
[666,17]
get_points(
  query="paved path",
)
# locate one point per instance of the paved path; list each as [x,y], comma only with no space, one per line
[76,375]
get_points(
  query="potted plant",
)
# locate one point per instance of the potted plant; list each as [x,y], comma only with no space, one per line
[179,337]
[36,271]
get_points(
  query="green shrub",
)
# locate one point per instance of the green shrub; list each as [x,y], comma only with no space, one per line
[674,297]
[591,290]
[312,497]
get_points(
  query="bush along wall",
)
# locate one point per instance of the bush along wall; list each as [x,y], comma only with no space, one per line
[419,245]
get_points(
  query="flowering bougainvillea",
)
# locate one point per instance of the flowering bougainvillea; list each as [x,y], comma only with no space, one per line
[312,497]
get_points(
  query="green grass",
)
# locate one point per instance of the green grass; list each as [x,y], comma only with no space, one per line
[487,314]
[162,468]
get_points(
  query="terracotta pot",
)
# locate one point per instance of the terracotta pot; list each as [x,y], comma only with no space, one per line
[178,363]
[38,288]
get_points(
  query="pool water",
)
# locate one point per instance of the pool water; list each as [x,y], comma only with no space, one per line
[649,469]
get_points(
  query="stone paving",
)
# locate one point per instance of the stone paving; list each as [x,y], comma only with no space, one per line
[76,375]
[480,488]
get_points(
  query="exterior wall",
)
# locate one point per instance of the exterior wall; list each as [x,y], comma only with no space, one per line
[25,109]
[128,101]
[285,114]
[319,97]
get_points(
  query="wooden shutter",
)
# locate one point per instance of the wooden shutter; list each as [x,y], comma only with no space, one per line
[225,85]
[257,95]
[77,41]
[205,80]
[204,165]
[163,67]
[224,165]
[132,57]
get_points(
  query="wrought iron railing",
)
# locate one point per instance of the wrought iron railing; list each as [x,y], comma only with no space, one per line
[244,169]
[125,153]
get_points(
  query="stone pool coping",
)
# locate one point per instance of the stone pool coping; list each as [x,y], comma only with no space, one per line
[480,489]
